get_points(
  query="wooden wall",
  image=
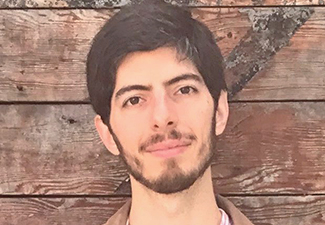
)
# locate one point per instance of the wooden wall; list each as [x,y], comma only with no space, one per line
[271,159]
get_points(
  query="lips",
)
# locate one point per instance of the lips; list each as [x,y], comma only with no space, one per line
[168,148]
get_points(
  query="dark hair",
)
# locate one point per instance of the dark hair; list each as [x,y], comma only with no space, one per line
[143,27]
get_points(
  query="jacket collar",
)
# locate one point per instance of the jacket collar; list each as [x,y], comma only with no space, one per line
[121,216]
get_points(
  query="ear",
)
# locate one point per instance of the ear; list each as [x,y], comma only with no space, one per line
[106,135]
[222,113]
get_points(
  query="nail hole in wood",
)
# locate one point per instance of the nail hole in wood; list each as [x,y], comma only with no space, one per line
[71,121]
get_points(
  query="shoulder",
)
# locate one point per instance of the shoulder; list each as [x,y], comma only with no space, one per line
[121,216]
[237,217]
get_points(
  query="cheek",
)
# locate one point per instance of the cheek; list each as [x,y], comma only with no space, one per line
[129,129]
[197,116]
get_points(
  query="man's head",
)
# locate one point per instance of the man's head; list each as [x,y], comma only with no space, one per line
[154,78]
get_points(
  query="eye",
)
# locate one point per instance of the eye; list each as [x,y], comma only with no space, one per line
[132,101]
[187,90]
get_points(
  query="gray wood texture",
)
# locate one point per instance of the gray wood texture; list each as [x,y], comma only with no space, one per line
[54,149]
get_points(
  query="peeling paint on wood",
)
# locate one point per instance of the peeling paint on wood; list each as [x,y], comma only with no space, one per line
[271,30]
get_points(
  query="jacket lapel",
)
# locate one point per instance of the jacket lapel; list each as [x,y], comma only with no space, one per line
[237,217]
[121,216]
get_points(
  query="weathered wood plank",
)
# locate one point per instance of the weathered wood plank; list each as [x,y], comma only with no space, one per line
[119,3]
[266,210]
[43,52]
[295,72]
[46,211]
[300,210]
[273,144]
[54,149]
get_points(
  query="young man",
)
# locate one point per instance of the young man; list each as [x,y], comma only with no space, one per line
[155,79]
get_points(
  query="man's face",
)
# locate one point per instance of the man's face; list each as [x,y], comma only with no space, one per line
[162,118]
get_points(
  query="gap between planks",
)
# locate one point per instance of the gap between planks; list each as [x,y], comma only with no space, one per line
[88,103]
[191,7]
[128,196]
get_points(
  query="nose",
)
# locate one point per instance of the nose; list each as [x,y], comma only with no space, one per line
[164,116]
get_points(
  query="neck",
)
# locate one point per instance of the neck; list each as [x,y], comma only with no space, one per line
[196,205]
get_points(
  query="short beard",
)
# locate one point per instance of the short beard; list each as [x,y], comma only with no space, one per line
[173,180]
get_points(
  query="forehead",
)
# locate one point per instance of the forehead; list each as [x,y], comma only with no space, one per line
[152,67]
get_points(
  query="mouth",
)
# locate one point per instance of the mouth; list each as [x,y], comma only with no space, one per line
[167,149]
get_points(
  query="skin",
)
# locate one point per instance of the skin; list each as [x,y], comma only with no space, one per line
[172,97]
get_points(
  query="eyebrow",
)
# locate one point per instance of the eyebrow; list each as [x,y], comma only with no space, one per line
[123,90]
[189,76]
[174,80]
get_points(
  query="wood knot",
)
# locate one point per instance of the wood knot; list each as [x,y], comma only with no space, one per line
[69,120]
[20,87]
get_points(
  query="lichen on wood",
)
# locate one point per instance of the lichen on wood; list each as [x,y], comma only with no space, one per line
[271,30]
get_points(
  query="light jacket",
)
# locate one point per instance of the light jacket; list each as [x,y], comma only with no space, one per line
[121,216]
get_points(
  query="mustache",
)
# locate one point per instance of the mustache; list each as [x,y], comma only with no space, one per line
[172,135]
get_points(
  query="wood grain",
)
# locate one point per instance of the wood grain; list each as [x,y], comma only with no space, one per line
[119,3]
[264,210]
[272,143]
[54,149]
[300,210]
[59,211]
[43,52]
